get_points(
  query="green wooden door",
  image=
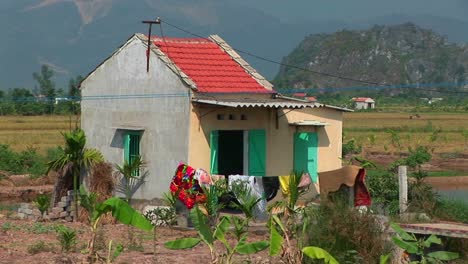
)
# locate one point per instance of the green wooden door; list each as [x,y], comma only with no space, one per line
[305,153]
[257,152]
[214,138]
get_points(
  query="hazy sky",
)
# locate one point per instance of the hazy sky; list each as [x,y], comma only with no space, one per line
[290,10]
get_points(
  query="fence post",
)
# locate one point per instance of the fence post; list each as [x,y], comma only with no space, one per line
[403,188]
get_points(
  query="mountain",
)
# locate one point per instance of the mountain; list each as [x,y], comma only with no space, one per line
[74,36]
[392,55]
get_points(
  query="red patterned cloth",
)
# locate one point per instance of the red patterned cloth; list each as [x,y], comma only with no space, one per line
[361,194]
[186,187]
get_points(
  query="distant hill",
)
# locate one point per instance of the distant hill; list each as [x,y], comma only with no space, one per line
[73,36]
[397,54]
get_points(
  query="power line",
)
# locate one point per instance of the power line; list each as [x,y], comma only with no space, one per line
[276,62]
[382,85]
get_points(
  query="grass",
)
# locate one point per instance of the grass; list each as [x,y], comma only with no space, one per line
[412,132]
[38,132]
[446,173]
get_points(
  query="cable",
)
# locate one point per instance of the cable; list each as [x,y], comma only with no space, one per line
[278,63]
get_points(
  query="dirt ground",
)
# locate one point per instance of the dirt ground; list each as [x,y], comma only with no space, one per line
[18,238]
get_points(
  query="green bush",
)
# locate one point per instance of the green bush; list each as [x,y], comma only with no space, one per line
[383,187]
[67,237]
[24,162]
[452,210]
[38,247]
[344,231]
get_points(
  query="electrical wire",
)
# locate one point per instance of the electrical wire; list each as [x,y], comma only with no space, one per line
[312,71]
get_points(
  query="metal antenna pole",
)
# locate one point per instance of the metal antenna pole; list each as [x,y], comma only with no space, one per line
[148,53]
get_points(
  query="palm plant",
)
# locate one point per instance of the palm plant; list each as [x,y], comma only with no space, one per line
[131,179]
[75,157]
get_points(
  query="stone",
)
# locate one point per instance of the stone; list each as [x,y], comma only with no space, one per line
[25,205]
[36,212]
[66,199]
[63,214]
[21,215]
[69,218]
[62,204]
[27,211]
[57,210]
[53,216]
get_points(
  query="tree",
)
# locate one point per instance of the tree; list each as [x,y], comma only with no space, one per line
[46,85]
[75,157]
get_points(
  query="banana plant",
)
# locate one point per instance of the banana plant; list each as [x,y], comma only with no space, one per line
[220,233]
[416,246]
[120,210]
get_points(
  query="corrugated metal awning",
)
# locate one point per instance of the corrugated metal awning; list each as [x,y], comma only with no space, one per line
[131,128]
[309,123]
[267,103]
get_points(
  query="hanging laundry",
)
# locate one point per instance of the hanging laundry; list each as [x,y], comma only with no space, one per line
[186,187]
[284,184]
[255,185]
[203,177]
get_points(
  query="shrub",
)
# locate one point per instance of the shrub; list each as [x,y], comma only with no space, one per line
[42,202]
[38,247]
[67,237]
[351,147]
[383,187]
[344,232]
[162,216]
[452,210]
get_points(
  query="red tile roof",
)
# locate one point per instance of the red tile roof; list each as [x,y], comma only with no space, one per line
[208,65]
[362,99]
[299,94]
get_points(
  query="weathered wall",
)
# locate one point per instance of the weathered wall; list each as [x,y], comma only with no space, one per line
[163,118]
[280,141]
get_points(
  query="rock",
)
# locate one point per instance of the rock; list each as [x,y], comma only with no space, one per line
[62,204]
[63,214]
[21,215]
[25,205]
[57,210]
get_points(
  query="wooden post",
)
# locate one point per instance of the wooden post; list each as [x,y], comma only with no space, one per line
[403,188]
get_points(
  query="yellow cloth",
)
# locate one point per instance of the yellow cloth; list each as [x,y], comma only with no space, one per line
[284,184]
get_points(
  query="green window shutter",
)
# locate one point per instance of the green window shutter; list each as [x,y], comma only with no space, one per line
[305,153]
[126,147]
[132,147]
[214,137]
[257,152]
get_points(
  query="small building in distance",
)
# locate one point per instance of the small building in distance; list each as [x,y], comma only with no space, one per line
[363,103]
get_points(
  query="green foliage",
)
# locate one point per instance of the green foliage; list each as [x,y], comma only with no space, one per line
[351,147]
[114,252]
[24,162]
[131,179]
[220,232]
[246,200]
[418,247]
[452,210]
[319,253]
[67,238]
[161,216]
[383,188]
[340,229]
[40,228]
[76,156]
[39,247]
[42,202]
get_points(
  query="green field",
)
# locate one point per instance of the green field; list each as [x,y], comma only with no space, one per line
[445,132]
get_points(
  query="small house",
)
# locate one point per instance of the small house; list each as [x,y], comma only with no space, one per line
[200,103]
[363,103]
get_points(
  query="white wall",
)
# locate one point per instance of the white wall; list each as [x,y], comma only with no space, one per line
[165,119]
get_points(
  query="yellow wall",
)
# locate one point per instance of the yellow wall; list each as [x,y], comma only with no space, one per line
[279,153]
